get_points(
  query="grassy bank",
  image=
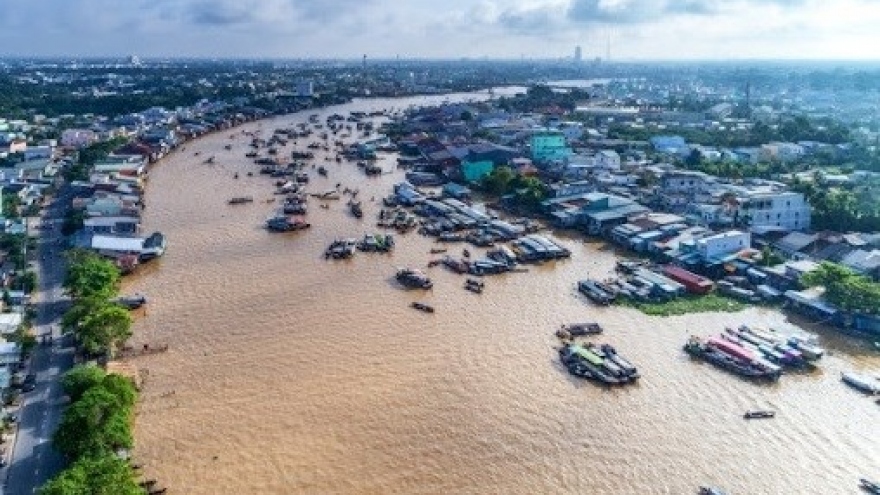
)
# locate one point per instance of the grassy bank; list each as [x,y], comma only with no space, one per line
[710,303]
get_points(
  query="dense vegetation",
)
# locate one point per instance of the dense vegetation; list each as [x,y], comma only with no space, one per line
[541,97]
[845,288]
[99,324]
[709,303]
[94,429]
[855,209]
[527,191]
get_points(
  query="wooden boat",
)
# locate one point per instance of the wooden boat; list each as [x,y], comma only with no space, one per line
[422,307]
[578,329]
[759,414]
[437,250]
[131,302]
[709,490]
[238,200]
[413,279]
[474,286]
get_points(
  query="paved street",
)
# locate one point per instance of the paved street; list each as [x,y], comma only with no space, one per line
[32,460]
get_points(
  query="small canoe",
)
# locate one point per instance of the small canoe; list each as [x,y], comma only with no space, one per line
[422,307]
[759,414]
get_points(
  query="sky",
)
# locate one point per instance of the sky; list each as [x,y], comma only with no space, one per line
[633,29]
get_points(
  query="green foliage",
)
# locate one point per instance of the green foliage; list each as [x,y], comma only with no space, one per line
[98,151]
[842,209]
[770,258]
[845,288]
[80,379]
[73,222]
[27,281]
[102,475]
[529,191]
[95,425]
[11,204]
[709,303]
[90,276]
[104,328]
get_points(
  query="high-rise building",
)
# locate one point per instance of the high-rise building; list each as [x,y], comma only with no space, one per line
[578,54]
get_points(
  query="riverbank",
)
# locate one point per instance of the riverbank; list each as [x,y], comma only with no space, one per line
[287,373]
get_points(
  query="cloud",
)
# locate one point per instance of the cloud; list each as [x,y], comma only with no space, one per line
[214,13]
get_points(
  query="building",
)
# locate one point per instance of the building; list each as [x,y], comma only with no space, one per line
[10,322]
[578,54]
[723,244]
[78,138]
[549,146]
[787,210]
[39,152]
[115,247]
[305,89]
[673,145]
[685,182]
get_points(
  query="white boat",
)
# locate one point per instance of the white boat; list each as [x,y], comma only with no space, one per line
[861,383]
[807,346]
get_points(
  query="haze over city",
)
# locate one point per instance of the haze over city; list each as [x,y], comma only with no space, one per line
[634,29]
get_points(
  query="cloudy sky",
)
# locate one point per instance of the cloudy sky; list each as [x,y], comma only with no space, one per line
[637,29]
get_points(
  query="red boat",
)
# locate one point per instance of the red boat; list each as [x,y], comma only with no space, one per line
[693,283]
[731,349]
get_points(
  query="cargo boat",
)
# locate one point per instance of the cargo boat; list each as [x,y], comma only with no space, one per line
[712,354]
[591,289]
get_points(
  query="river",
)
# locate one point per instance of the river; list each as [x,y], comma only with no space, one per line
[289,374]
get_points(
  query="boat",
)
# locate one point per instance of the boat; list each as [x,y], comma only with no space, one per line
[861,383]
[413,279]
[131,302]
[869,486]
[715,356]
[474,285]
[422,307]
[438,250]
[355,208]
[759,414]
[327,195]
[710,490]
[238,200]
[807,346]
[322,171]
[591,289]
[583,363]
[340,249]
[283,223]
[578,329]
[629,371]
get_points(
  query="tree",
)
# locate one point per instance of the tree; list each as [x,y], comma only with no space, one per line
[80,379]
[95,425]
[694,159]
[103,329]
[103,475]
[499,180]
[845,288]
[90,276]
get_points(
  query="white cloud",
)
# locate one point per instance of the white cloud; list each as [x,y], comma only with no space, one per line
[640,29]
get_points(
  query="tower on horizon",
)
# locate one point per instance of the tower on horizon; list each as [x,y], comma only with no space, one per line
[578,54]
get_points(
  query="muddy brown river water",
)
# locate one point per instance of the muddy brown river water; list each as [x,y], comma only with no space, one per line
[289,374]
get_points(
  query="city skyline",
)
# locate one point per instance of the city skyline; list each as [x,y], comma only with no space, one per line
[638,29]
